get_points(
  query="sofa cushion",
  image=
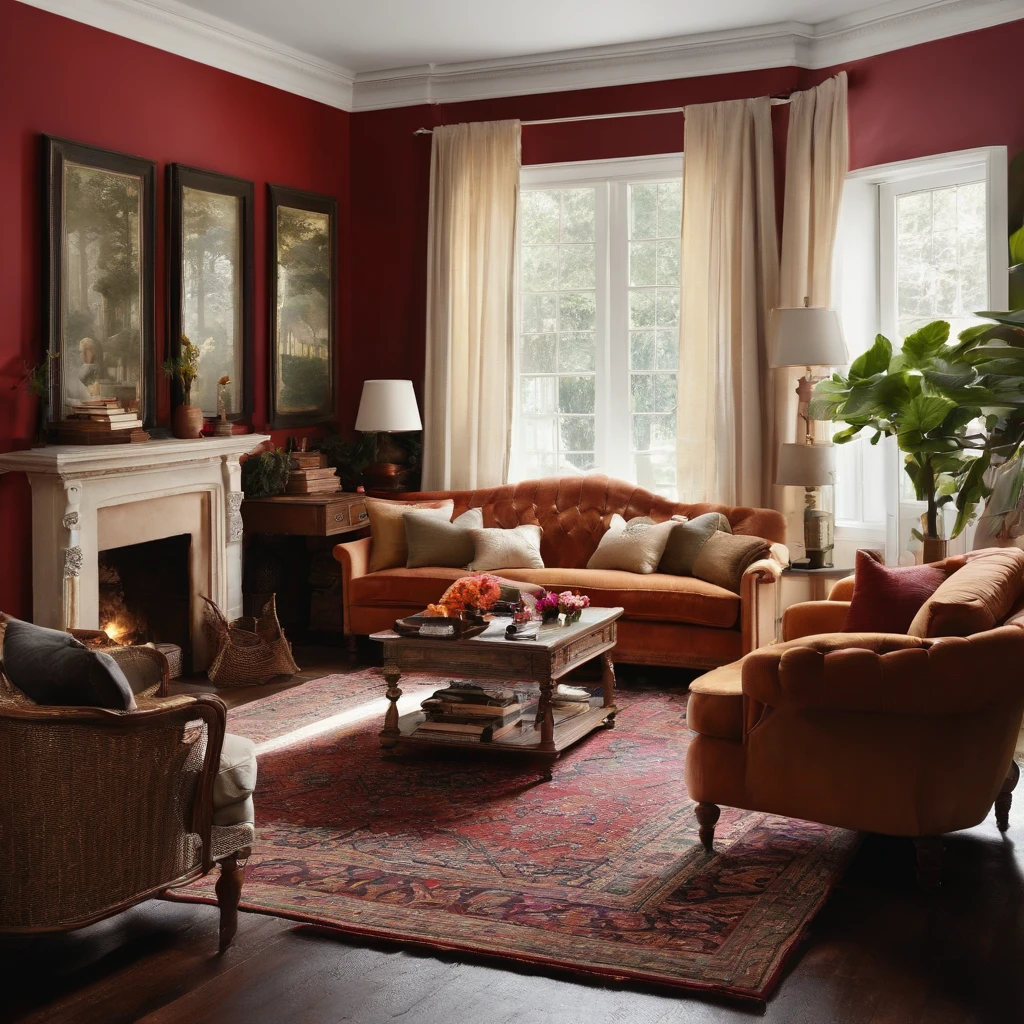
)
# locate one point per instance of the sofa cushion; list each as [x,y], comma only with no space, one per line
[634,546]
[432,541]
[52,667]
[518,548]
[686,540]
[887,597]
[235,781]
[656,596]
[725,557]
[975,598]
[715,704]
[387,528]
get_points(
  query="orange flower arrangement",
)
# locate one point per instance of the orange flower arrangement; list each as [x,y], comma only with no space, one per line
[468,594]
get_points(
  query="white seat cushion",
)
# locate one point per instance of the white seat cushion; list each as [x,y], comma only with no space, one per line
[235,782]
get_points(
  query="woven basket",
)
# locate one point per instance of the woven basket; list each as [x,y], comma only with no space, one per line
[250,651]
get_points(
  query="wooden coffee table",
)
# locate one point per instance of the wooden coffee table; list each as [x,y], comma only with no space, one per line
[555,653]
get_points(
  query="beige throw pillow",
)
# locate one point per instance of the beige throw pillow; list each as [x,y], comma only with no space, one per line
[636,546]
[387,528]
[431,541]
[518,548]
[725,557]
[686,541]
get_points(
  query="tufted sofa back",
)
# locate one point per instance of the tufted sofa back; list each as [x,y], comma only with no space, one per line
[573,512]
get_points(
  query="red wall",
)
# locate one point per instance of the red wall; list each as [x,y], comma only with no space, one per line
[952,94]
[67,79]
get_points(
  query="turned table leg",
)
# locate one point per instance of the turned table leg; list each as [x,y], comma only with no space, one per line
[608,683]
[1005,797]
[546,717]
[390,734]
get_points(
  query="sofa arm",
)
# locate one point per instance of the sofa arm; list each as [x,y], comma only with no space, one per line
[354,558]
[888,673]
[808,618]
[759,603]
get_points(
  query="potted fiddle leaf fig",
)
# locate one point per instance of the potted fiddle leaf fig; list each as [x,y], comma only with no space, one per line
[952,409]
[186,418]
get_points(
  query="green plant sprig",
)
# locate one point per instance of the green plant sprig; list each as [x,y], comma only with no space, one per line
[184,368]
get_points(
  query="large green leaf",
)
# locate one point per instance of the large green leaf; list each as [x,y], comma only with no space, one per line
[875,360]
[925,412]
[946,374]
[1012,318]
[921,347]
[828,398]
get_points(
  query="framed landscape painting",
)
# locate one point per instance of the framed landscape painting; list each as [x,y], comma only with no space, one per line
[210,283]
[99,250]
[303,285]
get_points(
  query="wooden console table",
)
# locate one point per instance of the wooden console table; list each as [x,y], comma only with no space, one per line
[316,600]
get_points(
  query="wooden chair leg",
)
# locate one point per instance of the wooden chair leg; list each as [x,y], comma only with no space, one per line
[929,861]
[229,892]
[707,818]
[1005,797]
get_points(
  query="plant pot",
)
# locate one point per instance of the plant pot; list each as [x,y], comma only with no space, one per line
[187,422]
[933,549]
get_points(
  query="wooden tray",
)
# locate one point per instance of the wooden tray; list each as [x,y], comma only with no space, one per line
[462,629]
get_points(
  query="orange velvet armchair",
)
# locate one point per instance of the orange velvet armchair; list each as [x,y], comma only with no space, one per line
[889,733]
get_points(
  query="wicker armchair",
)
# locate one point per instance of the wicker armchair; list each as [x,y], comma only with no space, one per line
[101,809]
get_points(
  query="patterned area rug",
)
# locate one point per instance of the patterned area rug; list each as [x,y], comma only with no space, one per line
[599,871]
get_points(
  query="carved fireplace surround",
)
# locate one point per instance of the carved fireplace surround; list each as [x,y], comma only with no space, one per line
[87,499]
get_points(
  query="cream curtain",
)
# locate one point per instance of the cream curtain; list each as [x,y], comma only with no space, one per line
[817,158]
[729,283]
[467,405]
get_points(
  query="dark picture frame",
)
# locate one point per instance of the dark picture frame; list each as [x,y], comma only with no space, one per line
[303,306]
[232,345]
[99,230]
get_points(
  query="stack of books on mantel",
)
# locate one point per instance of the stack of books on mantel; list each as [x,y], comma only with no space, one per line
[467,713]
[309,475]
[100,421]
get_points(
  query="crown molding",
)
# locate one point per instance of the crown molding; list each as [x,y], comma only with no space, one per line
[172,26]
[176,28]
[887,27]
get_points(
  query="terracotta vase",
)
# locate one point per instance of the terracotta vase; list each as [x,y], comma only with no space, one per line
[187,422]
[933,549]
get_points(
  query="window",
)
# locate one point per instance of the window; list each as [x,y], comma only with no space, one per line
[598,339]
[918,241]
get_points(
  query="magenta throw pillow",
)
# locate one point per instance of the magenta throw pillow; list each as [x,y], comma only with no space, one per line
[886,598]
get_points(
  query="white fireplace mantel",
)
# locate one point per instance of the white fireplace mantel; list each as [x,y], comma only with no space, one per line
[75,486]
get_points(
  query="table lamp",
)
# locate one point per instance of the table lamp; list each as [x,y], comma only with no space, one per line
[806,336]
[812,467]
[387,407]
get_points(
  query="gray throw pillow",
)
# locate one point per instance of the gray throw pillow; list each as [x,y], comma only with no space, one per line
[432,541]
[53,668]
[634,546]
[687,539]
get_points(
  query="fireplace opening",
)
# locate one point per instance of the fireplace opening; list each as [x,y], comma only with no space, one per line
[145,593]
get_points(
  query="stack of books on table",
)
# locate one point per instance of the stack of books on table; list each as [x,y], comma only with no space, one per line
[467,713]
[100,421]
[309,475]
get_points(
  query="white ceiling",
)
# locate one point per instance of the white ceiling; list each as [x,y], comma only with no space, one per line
[375,35]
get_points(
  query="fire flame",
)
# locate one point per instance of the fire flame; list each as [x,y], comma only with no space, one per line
[115,630]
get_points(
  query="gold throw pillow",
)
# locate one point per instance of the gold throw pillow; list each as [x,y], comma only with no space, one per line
[387,528]
[634,546]
[518,548]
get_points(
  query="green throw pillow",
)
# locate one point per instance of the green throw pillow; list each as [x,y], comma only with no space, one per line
[686,540]
[433,542]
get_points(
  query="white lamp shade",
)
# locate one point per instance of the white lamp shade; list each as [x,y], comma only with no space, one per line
[806,336]
[388,405]
[806,465]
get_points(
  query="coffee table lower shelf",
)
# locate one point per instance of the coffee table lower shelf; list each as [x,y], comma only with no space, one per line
[525,740]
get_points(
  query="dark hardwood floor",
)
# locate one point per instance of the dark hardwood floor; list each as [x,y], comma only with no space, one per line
[882,951]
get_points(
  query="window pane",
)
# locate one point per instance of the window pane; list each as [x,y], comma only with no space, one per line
[670,209]
[577,311]
[583,461]
[538,353]
[578,215]
[577,433]
[668,264]
[539,268]
[577,266]
[668,307]
[668,350]
[641,308]
[641,350]
[576,394]
[538,394]
[577,352]
[539,314]
[641,386]
[643,211]
[643,258]
[538,216]
[665,392]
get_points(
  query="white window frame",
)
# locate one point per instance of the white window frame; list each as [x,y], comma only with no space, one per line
[864,286]
[610,178]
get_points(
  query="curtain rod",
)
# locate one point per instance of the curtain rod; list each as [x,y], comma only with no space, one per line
[775,102]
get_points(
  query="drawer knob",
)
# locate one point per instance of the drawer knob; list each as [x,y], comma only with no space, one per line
[339,517]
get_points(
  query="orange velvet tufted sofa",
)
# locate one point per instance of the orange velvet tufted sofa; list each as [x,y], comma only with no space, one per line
[882,732]
[668,620]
